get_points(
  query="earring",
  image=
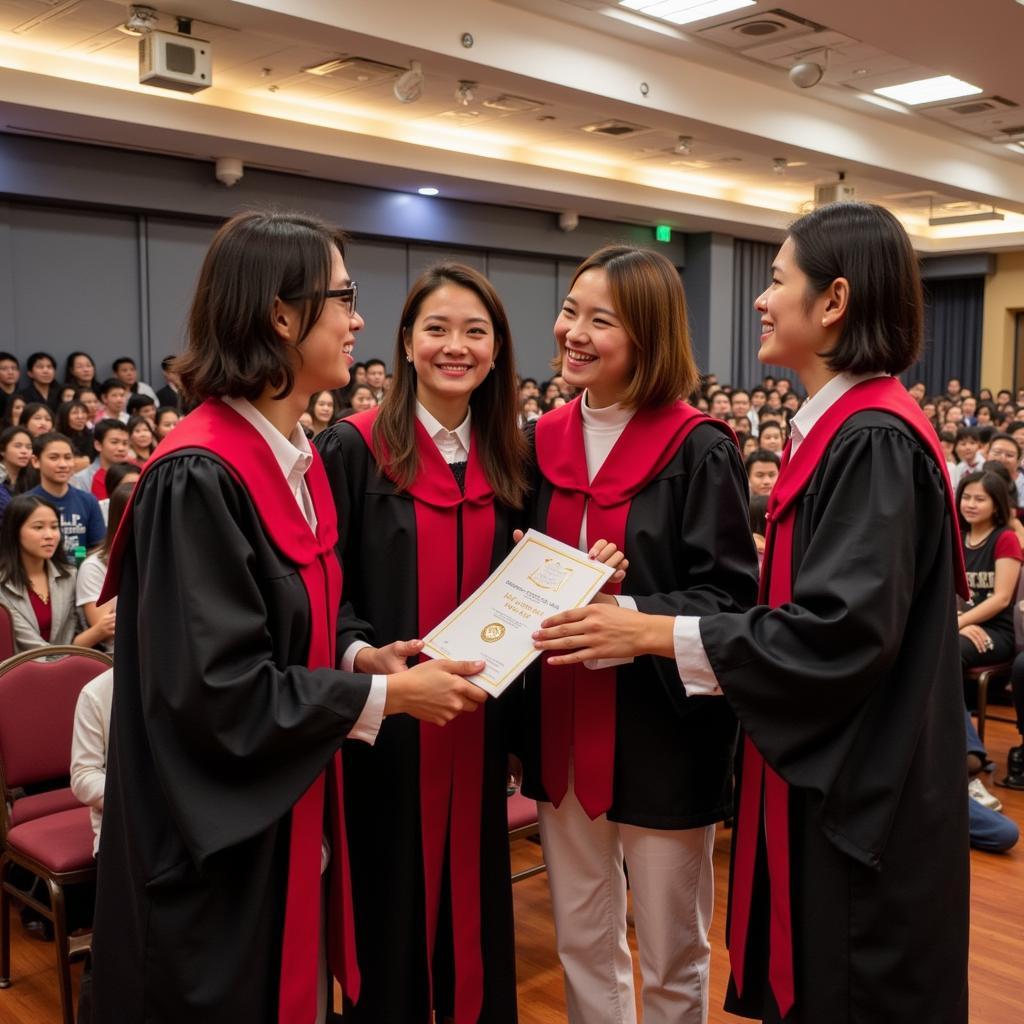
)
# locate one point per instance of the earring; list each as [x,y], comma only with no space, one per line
[493,365]
[408,359]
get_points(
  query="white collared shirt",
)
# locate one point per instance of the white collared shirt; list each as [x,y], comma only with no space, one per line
[695,671]
[452,444]
[294,456]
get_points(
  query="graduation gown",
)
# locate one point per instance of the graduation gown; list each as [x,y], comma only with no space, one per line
[219,729]
[690,551]
[395,923]
[852,694]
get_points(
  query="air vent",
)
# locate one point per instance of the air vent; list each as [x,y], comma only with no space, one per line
[614,128]
[978,107]
[356,70]
[761,27]
[512,104]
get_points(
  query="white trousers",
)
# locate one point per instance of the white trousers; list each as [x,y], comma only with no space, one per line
[670,874]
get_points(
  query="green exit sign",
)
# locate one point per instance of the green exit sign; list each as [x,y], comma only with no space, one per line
[663,233]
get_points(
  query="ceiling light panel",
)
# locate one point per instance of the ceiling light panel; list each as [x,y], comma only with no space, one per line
[929,90]
[682,12]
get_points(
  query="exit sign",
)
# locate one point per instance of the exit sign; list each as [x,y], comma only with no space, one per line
[663,233]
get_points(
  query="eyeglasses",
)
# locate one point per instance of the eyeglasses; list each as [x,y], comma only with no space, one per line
[347,295]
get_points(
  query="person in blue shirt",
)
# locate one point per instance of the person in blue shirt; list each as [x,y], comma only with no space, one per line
[81,521]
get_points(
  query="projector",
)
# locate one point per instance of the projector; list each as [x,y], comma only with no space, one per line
[172,61]
[834,192]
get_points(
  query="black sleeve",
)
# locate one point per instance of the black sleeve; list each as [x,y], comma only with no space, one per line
[718,561]
[237,733]
[348,463]
[797,675]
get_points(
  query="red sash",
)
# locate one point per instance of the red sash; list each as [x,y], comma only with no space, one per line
[218,429]
[581,718]
[451,757]
[759,784]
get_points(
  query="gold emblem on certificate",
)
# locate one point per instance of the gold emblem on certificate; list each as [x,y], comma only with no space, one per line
[492,632]
[551,574]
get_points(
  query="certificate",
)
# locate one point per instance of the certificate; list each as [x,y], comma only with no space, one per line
[540,577]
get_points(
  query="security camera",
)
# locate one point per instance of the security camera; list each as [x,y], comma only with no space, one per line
[568,220]
[409,87]
[229,170]
[806,74]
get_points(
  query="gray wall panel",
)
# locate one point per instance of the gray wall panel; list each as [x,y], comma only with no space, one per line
[529,290]
[379,268]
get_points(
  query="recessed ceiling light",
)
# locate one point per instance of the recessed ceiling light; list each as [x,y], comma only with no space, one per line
[1016,147]
[929,90]
[428,190]
[682,12]
[880,101]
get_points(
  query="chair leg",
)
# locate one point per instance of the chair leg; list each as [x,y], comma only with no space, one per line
[60,942]
[5,931]
[983,679]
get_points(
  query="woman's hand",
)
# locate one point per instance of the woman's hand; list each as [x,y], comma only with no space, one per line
[107,619]
[601,631]
[603,551]
[434,691]
[978,637]
[385,660]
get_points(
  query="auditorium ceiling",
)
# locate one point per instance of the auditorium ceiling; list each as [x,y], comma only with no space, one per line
[584,105]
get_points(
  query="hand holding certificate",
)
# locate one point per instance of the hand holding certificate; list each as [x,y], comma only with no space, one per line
[540,578]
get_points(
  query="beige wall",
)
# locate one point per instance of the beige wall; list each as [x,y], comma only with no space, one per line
[1004,298]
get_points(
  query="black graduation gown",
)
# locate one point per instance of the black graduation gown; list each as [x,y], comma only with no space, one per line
[690,552]
[378,542]
[193,855]
[852,693]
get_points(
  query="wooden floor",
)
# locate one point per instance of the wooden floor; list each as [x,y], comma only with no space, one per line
[997,936]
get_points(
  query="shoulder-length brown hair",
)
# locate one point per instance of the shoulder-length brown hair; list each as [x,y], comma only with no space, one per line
[650,303]
[256,257]
[501,445]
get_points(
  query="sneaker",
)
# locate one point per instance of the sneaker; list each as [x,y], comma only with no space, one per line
[976,791]
[1014,769]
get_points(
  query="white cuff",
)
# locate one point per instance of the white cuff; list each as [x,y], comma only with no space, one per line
[348,659]
[695,671]
[368,723]
[623,601]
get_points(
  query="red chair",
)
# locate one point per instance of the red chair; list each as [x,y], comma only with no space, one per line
[46,834]
[523,824]
[7,645]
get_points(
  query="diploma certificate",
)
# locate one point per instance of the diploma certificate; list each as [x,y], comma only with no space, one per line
[540,578]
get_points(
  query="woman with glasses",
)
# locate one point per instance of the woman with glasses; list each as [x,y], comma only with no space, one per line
[224,832]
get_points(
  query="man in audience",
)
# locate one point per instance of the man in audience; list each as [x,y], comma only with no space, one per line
[376,371]
[719,406]
[125,371]
[740,401]
[1005,450]
[113,395]
[953,389]
[81,521]
[10,374]
[969,451]
[170,393]
[762,471]
[110,439]
[142,405]
[989,830]
[969,408]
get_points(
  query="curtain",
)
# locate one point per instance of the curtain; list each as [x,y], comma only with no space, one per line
[751,274]
[952,335]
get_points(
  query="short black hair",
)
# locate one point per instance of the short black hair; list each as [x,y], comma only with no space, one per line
[1008,439]
[109,384]
[167,363]
[105,426]
[761,455]
[43,441]
[867,245]
[949,436]
[968,434]
[986,433]
[375,362]
[36,357]
[255,258]
[6,357]
[759,513]
[136,402]
[117,472]
[120,361]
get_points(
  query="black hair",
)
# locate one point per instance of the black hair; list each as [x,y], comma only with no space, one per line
[109,384]
[761,455]
[117,472]
[21,507]
[69,377]
[43,441]
[375,362]
[137,402]
[167,363]
[6,357]
[759,513]
[995,484]
[36,356]
[1008,439]
[866,245]
[31,408]
[986,433]
[120,361]
[968,434]
[105,426]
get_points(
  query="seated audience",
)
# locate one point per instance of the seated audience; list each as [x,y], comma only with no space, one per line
[762,471]
[989,830]
[90,399]
[141,405]
[968,451]
[360,399]
[119,473]
[16,453]
[36,584]
[110,442]
[322,411]
[74,423]
[89,743]
[13,412]
[993,556]
[113,400]
[719,406]
[81,522]
[10,374]
[41,370]
[93,571]
[165,421]
[79,370]
[140,440]
[376,372]
[771,438]
[37,418]
[170,394]
[66,393]
[126,371]
[1005,450]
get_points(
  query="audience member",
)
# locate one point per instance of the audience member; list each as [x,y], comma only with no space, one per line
[36,584]
[80,520]
[16,453]
[73,422]
[79,370]
[91,401]
[170,394]
[1004,449]
[967,450]
[89,743]
[376,371]
[140,440]
[989,830]
[141,405]
[113,395]
[719,405]
[771,437]
[762,471]
[322,411]
[119,473]
[37,418]
[166,420]
[110,441]
[41,369]
[126,371]
[10,374]
[93,571]
[759,523]
[15,409]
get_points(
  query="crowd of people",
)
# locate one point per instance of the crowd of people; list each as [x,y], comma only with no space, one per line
[424,478]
